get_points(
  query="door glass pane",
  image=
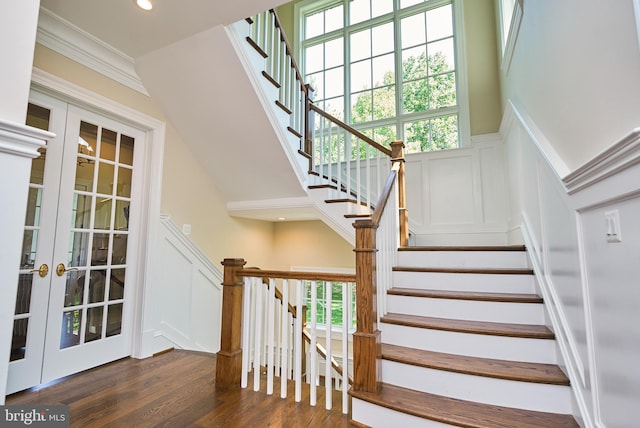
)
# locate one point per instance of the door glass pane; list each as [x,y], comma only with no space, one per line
[108,145]
[87,139]
[100,249]
[119,249]
[71,326]
[94,324]
[23,300]
[81,215]
[114,319]
[116,285]
[122,215]
[38,117]
[37,167]
[74,291]
[96,285]
[29,241]
[103,213]
[105,178]
[34,203]
[19,339]
[124,182]
[84,174]
[79,249]
[126,150]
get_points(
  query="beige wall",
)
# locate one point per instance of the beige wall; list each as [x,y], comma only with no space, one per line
[310,244]
[485,107]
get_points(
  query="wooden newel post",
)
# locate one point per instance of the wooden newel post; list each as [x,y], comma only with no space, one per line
[229,358]
[367,349]
[397,155]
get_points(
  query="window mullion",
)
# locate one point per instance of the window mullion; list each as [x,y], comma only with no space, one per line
[397,48]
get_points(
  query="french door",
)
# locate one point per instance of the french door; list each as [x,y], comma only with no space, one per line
[73,307]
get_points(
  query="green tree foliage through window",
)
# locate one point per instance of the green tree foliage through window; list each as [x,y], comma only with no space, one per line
[391,73]
[337,315]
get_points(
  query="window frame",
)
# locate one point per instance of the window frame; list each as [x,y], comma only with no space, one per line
[400,119]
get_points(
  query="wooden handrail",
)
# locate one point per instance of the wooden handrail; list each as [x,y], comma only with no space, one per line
[384,196]
[350,129]
[288,49]
[304,276]
[323,352]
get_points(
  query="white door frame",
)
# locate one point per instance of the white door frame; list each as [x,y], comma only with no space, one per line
[154,129]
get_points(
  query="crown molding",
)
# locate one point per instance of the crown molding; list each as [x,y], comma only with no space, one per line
[71,41]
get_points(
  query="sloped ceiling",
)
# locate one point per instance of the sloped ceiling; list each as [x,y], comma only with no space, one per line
[187,64]
[206,93]
[134,32]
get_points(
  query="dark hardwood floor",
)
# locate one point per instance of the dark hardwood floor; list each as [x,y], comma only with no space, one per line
[175,389]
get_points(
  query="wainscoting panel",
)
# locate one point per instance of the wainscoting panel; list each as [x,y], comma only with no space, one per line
[458,196]
[187,295]
[589,282]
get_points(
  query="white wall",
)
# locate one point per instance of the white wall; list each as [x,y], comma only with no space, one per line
[186,295]
[571,132]
[575,69]
[458,196]
[589,285]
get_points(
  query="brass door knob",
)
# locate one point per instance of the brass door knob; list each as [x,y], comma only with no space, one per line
[42,271]
[61,269]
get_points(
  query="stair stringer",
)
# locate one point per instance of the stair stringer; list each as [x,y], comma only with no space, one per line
[254,65]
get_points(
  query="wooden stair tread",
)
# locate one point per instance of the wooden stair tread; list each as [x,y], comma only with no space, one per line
[322,186]
[466,295]
[460,412]
[465,248]
[488,367]
[474,327]
[348,200]
[499,271]
[362,215]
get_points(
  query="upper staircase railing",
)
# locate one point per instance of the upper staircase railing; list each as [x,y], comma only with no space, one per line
[339,155]
[356,165]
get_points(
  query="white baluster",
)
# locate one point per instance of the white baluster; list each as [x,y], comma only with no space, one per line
[278,337]
[270,334]
[257,285]
[313,344]
[327,366]
[284,352]
[346,298]
[298,342]
[246,327]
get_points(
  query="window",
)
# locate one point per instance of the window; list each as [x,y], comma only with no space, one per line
[337,316]
[387,67]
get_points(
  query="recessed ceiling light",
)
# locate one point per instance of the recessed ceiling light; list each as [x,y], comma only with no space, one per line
[282,218]
[144,4]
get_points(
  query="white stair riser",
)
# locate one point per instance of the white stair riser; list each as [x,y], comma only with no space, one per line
[477,345]
[481,389]
[472,310]
[383,417]
[464,259]
[490,283]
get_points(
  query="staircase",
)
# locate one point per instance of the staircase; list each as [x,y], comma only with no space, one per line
[464,343]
